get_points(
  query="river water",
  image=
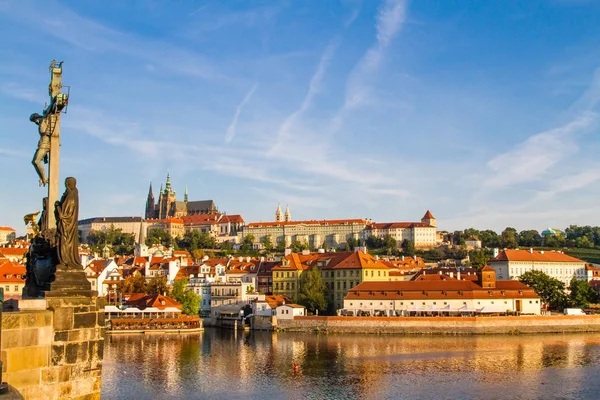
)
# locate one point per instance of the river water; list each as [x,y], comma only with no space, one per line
[223,364]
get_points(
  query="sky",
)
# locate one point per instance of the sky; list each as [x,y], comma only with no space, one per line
[484,112]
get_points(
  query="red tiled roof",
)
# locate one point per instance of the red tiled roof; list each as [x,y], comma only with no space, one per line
[312,222]
[201,218]
[11,272]
[6,228]
[234,219]
[526,255]
[428,215]
[158,301]
[13,251]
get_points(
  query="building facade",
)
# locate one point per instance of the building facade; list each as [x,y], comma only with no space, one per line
[7,234]
[443,296]
[130,225]
[336,233]
[511,264]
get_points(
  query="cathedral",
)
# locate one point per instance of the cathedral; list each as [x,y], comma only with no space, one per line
[168,206]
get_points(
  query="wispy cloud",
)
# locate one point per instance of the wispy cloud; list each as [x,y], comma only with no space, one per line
[231,129]
[388,22]
[572,182]
[198,10]
[17,91]
[539,153]
[314,86]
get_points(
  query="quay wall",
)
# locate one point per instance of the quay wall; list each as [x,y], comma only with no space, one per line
[443,325]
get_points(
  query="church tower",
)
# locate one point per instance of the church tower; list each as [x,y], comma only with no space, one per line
[150,204]
[167,197]
[288,215]
[278,214]
[429,219]
[141,250]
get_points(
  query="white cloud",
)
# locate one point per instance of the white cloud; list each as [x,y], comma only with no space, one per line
[568,183]
[231,129]
[531,159]
[17,91]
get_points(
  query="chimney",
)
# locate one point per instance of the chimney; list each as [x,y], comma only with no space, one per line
[531,250]
[415,257]
[248,259]
[495,252]
[451,274]
[458,275]
[541,251]
[402,258]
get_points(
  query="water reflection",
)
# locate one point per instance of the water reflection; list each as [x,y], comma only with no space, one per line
[228,364]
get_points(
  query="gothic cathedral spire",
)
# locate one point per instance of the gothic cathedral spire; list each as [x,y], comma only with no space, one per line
[185,196]
[150,204]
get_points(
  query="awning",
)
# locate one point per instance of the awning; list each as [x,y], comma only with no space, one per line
[491,310]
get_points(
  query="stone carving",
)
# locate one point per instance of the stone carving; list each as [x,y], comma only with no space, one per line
[29,219]
[43,148]
[67,214]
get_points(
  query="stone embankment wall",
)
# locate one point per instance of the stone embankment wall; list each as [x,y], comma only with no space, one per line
[443,325]
[55,353]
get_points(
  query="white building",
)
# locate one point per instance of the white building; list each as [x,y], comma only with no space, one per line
[511,264]
[97,273]
[7,234]
[422,234]
[289,311]
[129,225]
[442,295]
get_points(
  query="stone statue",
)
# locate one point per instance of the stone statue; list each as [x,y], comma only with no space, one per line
[67,214]
[41,154]
[30,219]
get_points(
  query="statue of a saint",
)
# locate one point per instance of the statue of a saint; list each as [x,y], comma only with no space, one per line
[67,214]
[41,154]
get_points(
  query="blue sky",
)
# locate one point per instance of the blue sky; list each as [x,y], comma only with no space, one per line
[484,112]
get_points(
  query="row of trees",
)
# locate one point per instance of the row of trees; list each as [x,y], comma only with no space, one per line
[552,291]
[120,243]
[574,236]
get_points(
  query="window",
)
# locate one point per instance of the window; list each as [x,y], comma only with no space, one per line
[530,302]
[338,286]
[423,303]
[434,303]
[7,288]
[344,284]
[445,302]
[378,273]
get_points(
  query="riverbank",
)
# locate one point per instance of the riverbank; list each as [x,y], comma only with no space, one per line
[154,331]
[443,325]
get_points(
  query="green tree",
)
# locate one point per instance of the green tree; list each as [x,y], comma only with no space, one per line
[373,242]
[280,246]
[311,290]
[408,248]
[297,246]
[508,238]
[135,284]
[158,236]
[582,293]
[529,238]
[389,244]
[247,243]
[351,243]
[190,301]
[479,258]
[267,242]
[550,290]
[158,285]
[489,239]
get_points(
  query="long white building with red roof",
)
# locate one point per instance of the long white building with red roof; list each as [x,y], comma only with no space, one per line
[7,234]
[511,264]
[335,233]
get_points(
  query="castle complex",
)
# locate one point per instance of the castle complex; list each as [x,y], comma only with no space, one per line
[168,206]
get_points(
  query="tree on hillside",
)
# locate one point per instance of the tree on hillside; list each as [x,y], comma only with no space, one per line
[158,236]
[408,248]
[550,290]
[479,258]
[351,243]
[267,243]
[489,238]
[158,285]
[190,301]
[554,241]
[311,290]
[508,238]
[134,284]
[247,243]
[297,246]
[373,242]
[529,238]
[389,244]
[121,243]
[582,293]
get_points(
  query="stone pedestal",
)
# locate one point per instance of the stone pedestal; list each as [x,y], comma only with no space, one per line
[70,283]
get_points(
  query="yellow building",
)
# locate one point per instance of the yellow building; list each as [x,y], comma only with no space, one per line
[341,271]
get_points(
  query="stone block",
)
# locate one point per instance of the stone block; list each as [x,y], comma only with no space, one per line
[101,319]
[75,335]
[76,352]
[3,358]
[82,387]
[29,319]
[50,375]
[29,337]
[63,319]
[61,336]
[31,304]
[45,336]
[11,338]
[44,318]
[82,309]
[11,321]
[57,354]
[64,373]
[85,320]
[27,358]
[23,379]
[65,390]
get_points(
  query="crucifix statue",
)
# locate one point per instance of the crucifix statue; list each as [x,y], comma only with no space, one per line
[48,149]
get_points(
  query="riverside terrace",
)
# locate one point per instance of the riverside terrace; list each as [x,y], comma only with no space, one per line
[440,294]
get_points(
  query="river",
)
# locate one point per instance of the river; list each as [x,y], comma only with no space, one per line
[223,364]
